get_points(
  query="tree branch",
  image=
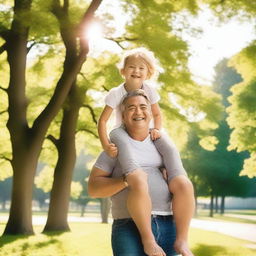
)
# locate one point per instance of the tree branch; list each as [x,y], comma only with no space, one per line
[73,62]
[105,88]
[92,113]
[52,139]
[4,111]
[89,14]
[2,48]
[4,89]
[66,5]
[119,40]
[90,131]
[33,43]
[4,32]
[6,158]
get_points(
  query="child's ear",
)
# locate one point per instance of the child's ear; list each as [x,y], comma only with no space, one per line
[122,71]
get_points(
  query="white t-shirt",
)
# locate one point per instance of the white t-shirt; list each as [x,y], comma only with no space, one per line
[116,94]
[150,160]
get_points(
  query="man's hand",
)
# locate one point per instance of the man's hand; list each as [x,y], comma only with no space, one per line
[181,247]
[111,150]
[155,134]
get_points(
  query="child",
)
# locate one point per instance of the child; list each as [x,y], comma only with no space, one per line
[138,66]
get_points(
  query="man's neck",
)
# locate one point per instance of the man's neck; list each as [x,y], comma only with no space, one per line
[138,134]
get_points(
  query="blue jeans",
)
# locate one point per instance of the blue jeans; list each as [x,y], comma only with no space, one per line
[126,239]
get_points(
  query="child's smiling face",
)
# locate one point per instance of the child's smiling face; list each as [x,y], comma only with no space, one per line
[135,70]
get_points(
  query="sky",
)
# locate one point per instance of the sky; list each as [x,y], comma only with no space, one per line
[217,41]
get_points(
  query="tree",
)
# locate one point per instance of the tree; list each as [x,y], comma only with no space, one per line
[219,169]
[28,126]
[242,110]
[26,139]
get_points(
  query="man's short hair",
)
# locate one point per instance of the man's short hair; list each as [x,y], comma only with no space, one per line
[137,92]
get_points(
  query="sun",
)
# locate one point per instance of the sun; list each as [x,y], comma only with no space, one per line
[94,32]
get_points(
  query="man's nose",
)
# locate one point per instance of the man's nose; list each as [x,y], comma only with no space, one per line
[138,110]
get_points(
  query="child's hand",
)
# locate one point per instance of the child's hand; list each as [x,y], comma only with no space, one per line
[155,134]
[111,150]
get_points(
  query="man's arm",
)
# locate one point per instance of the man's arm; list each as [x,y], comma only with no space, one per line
[101,185]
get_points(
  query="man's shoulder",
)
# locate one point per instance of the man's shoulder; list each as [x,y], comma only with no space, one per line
[117,89]
[105,162]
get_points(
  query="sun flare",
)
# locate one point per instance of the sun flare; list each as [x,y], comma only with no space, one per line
[94,32]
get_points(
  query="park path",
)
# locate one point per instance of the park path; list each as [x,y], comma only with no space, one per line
[238,230]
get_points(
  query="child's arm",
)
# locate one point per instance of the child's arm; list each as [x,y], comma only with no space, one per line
[110,148]
[157,117]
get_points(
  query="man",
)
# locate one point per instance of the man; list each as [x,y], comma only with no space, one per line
[144,193]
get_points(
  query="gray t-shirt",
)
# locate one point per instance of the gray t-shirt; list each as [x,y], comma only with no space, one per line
[150,161]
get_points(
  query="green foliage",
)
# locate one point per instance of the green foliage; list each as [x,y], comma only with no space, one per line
[182,100]
[217,171]
[243,108]
[228,8]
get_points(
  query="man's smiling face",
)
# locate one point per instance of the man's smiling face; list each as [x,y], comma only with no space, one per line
[137,113]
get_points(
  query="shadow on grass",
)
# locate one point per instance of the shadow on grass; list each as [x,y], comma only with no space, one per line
[51,236]
[7,239]
[209,250]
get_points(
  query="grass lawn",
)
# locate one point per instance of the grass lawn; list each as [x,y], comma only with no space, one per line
[93,239]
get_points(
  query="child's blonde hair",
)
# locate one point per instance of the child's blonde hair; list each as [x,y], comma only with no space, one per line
[146,55]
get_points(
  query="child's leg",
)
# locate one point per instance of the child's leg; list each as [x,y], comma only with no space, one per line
[125,153]
[171,156]
[183,206]
[138,200]
[181,189]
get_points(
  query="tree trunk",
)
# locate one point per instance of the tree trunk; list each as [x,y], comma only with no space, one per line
[20,218]
[104,209]
[222,206]
[211,205]
[216,204]
[82,210]
[60,194]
